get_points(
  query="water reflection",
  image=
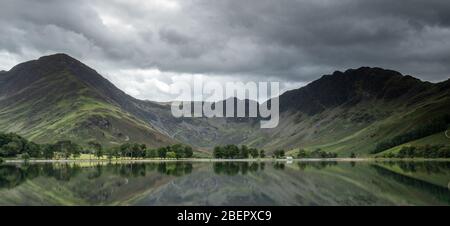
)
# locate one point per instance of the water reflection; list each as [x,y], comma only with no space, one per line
[428,167]
[228,183]
[235,168]
[442,193]
[316,165]
[14,175]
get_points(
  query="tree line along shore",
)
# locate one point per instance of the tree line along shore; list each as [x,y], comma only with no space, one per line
[13,146]
[16,147]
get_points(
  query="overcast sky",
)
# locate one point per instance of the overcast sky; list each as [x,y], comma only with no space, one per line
[143,45]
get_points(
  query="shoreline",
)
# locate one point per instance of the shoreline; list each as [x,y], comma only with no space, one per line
[218,160]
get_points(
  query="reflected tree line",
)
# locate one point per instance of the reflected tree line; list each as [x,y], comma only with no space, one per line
[442,193]
[318,165]
[14,175]
[426,167]
[235,168]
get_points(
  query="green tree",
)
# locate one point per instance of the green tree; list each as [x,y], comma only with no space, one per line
[48,151]
[218,152]
[11,149]
[33,149]
[110,153]
[96,149]
[279,153]
[12,145]
[25,157]
[76,153]
[302,154]
[115,151]
[151,153]
[282,153]
[178,149]
[99,153]
[254,153]
[162,152]
[126,149]
[137,150]
[171,155]
[188,152]
[231,151]
[67,148]
[262,154]
[244,152]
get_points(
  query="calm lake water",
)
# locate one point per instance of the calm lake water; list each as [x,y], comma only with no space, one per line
[227,183]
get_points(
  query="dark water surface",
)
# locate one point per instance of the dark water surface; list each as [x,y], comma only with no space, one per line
[227,183]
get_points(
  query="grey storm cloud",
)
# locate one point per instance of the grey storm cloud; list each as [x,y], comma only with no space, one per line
[293,41]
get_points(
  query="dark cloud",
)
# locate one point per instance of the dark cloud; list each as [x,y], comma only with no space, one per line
[293,41]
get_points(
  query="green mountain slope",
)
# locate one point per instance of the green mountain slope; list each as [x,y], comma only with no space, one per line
[52,99]
[355,110]
[57,97]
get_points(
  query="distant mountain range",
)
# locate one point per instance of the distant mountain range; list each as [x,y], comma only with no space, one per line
[57,97]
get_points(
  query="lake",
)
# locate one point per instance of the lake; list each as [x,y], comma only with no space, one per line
[227,183]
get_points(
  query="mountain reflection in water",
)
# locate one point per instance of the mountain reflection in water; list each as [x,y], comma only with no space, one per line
[227,183]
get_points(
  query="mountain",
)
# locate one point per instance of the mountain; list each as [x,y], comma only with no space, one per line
[355,110]
[57,97]
[352,87]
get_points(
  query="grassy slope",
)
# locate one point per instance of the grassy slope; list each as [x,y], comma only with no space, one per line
[357,129]
[73,111]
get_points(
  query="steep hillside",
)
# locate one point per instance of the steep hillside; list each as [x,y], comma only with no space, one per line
[353,111]
[58,97]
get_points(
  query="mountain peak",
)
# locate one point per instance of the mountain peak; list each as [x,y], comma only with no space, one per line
[57,57]
[53,68]
[61,61]
[372,71]
[350,87]
[48,64]
[364,72]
